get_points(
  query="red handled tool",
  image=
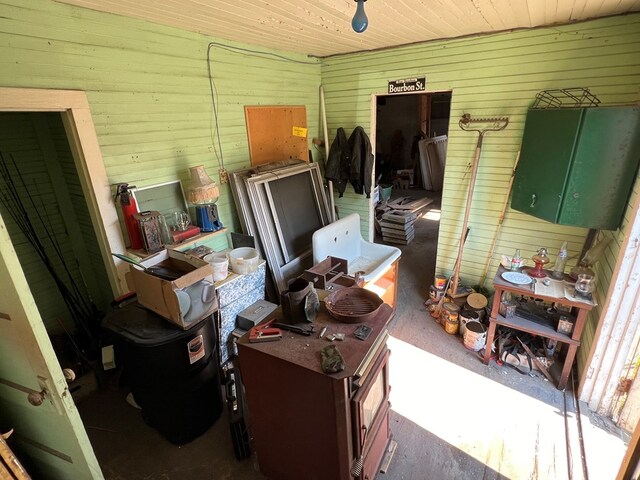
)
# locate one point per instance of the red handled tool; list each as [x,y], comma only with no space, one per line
[129,209]
[264,333]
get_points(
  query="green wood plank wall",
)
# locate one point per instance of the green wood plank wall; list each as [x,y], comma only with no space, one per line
[494,75]
[87,246]
[148,89]
[19,141]
[149,95]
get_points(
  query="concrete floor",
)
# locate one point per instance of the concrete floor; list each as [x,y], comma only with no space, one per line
[452,416]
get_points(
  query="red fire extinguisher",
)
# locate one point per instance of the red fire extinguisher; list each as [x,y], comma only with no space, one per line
[129,208]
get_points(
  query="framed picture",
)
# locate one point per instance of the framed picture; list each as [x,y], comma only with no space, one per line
[166,198]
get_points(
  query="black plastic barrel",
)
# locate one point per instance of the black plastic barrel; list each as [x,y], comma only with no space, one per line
[173,373]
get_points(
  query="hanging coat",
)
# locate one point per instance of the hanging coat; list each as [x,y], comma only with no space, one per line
[339,162]
[361,168]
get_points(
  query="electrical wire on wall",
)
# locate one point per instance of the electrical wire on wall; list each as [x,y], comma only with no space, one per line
[215,134]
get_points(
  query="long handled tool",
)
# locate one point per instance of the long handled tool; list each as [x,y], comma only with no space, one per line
[332,204]
[438,310]
[500,221]
[468,124]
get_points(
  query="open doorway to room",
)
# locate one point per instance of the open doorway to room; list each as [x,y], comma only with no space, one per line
[48,220]
[405,124]
[411,132]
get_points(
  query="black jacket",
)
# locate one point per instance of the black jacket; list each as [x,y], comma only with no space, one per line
[350,161]
[361,161]
[339,161]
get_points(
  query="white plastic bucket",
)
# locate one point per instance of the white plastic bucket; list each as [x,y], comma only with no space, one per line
[244,260]
[475,336]
[220,264]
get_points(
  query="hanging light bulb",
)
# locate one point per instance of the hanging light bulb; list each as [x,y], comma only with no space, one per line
[360,21]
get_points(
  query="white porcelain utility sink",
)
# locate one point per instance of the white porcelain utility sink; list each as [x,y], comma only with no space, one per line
[342,239]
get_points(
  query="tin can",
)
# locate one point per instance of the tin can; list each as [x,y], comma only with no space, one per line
[435,294]
[477,302]
[449,312]
[467,316]
[565,325]
[440,282]
[507,308]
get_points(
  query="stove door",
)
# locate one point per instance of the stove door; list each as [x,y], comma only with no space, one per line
[370,409]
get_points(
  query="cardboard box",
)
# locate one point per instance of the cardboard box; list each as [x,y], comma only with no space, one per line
[183,301]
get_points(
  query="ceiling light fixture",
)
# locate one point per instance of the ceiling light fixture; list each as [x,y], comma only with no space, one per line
[360,21]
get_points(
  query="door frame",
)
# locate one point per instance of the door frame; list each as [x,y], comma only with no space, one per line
[73,106]
[620,318]
[372,136]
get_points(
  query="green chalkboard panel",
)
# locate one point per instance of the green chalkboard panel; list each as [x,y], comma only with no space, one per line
[166,198]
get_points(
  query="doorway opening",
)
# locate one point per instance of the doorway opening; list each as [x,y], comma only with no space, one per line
[58,190]
[411,133]
[48,220]
[402,122]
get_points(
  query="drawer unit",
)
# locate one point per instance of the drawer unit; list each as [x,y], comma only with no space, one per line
[235,293]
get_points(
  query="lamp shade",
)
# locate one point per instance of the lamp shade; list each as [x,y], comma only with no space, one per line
[202,188]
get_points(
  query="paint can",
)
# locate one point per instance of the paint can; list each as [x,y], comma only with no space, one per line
[467,315]
[475,336]
[449,311]
[440,282]
[477,302]
[435,294]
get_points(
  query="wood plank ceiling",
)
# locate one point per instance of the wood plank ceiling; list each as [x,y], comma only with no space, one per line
[323,27]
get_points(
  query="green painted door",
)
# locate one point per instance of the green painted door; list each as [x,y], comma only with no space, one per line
[546,154]
[603,169]
[49,439]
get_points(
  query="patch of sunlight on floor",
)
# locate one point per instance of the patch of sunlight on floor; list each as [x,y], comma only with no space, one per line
[516,435]
[604,451]
[432,214]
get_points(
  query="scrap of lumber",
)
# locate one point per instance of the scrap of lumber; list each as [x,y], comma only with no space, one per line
[399,216]
[408,227]
[408,203]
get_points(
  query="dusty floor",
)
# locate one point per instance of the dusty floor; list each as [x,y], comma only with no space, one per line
[452,416]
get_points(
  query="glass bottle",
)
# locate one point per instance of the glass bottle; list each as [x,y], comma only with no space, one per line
[516,260]
[561,261]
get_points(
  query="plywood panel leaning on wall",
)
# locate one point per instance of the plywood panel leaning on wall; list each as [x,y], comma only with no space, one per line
[276,133]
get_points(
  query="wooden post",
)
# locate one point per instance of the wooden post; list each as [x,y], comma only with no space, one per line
[11,461]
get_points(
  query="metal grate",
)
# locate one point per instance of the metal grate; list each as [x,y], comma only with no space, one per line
[354,305]
[565,98]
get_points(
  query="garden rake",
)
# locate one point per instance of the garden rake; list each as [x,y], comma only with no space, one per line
[482,126]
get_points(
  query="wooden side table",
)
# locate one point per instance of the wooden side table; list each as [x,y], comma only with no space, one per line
[580,310]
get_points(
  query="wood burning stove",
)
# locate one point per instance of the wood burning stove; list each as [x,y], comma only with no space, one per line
[312,425]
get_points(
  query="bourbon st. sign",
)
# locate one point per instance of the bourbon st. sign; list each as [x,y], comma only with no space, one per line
[407,85]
